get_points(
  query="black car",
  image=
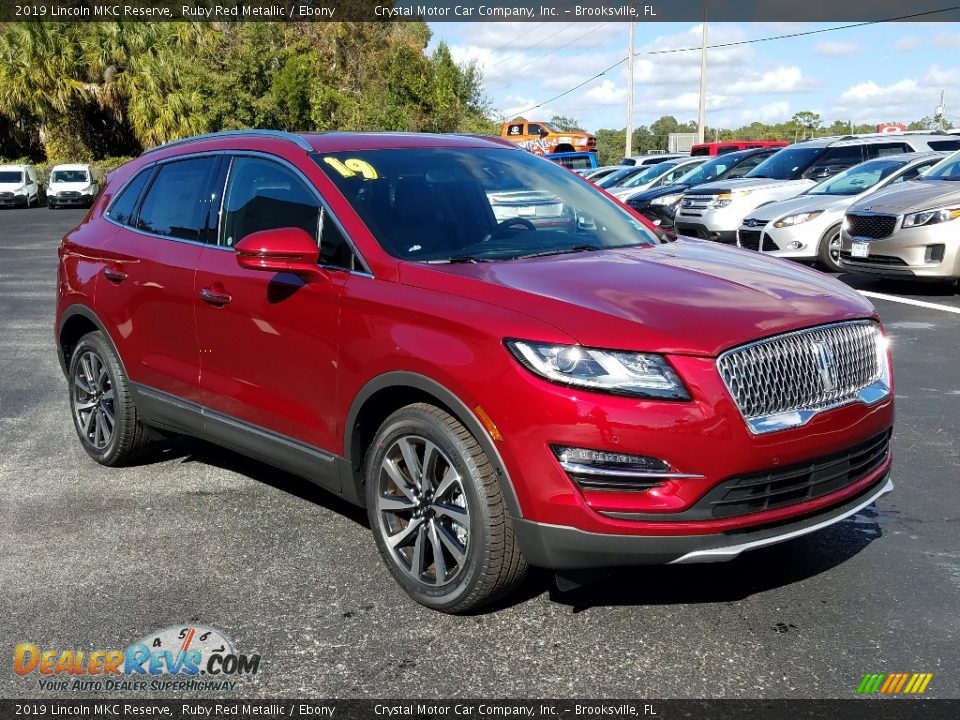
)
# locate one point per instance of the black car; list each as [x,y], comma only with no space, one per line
[660,204]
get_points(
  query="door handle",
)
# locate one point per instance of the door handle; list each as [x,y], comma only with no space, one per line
[215,297]
[114,275]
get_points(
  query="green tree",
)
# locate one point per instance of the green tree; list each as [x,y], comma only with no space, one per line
[568,124]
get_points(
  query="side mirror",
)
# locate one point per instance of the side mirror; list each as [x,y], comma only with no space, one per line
[544,133]
[287,249]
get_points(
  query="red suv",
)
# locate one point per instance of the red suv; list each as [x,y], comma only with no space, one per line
[497,392]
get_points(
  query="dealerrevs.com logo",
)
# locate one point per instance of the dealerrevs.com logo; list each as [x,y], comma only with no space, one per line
[185,657]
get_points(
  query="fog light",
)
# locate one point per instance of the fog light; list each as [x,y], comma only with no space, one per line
[602,459]
[602,470]
[795,245]
[934,253]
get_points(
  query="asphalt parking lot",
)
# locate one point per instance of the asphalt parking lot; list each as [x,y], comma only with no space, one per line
[98,558]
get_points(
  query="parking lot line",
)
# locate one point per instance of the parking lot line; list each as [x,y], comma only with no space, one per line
[910,301]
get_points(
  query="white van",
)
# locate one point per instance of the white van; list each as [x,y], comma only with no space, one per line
[74,185]
[18,186]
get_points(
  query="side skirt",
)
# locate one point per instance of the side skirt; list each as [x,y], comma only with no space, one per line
[168,412]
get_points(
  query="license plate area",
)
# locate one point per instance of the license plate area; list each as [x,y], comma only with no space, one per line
[860,250]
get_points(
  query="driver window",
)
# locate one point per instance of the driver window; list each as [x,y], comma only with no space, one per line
[914,172]
[533,129]
[263,195]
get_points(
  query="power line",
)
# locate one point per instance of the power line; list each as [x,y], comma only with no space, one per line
[531,47]
[732,44]
[521,35]
[551,52]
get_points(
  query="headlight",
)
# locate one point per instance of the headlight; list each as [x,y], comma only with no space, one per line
[610,371]
[931,217]
[797,219]
[724,199]
[667,199]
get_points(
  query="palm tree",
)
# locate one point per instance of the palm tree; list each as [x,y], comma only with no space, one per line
[41,77]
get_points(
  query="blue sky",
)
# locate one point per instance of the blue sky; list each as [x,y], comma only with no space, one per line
[884,72]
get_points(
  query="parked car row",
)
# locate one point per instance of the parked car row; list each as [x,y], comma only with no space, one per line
[814,201]
[71,185]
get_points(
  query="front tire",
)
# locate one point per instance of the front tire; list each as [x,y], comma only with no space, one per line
[828,252]
[437,513]
[102,407]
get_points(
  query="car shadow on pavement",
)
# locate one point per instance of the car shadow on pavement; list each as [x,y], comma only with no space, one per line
[752,573]
[194,450]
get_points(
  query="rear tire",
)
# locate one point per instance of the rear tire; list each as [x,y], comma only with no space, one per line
[828,251]
[104,414]
[441,527]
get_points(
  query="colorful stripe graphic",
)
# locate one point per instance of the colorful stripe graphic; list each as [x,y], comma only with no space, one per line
[894,683]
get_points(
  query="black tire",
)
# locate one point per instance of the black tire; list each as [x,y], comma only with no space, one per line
[828,251]
[492,564]
[51,205]
[96,377]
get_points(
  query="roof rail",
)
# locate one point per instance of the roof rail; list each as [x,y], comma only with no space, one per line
[276,134]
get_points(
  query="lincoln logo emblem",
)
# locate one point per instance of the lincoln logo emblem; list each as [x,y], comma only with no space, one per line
[827,366]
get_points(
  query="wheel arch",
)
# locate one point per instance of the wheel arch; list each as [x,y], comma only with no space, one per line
[75,322]
[391,391]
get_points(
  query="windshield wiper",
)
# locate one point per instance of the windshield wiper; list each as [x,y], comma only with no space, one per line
[561,251]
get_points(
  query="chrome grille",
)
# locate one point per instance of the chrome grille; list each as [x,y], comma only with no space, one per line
[871,226]
[697,202]
[784,380]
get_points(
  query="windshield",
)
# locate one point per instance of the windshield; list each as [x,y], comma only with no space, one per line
[11,176]
[477,204]
[947,169]
[615,178]
[788,164]
[69,176]
[858,178]
[649,175]
[711,170]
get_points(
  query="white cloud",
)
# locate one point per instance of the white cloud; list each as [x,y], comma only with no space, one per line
[947,40]
[836,49]
[907,43]
[773,112]
[607,93]
[783,79]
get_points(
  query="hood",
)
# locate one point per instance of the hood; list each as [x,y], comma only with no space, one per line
[688,297]
[910,196]
[624,193]
[748,184]
[801,204]
[10,187]
[645,196]
[60,186]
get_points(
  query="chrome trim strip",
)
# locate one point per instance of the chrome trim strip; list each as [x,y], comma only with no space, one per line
[723,554]
[364,272]
[578,469]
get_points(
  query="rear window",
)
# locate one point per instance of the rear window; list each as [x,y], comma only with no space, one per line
[950,145]
[123,207]
[174,203]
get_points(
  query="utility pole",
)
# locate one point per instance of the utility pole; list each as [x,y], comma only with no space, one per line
[702,117]
[629,146]
[938,118]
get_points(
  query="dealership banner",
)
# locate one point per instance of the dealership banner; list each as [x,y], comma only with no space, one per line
[467,709]
[647,11]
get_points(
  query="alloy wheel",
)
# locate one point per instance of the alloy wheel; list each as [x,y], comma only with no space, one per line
[93,400]
[423,511]
[835,248]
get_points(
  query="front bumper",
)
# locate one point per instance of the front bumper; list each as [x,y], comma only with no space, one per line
[908,253]
[82,201]
[13,200]
[807,235]
[566,548]
[698,230]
